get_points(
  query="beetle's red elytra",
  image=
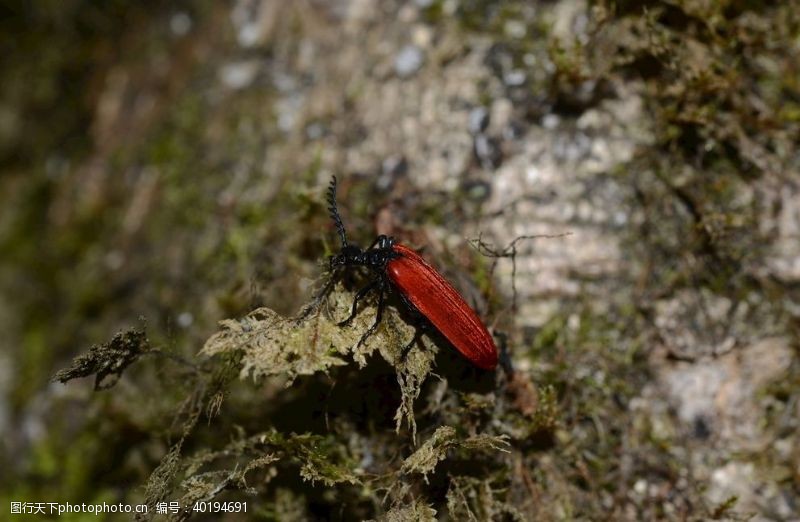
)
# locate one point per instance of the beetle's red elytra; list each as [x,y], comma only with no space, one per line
[419,285]
[435,298]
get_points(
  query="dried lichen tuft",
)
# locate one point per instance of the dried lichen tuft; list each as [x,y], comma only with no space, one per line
[434,450]
[415,511]
[411,372]
[107,359]
[273,345]
[207,474]
[473,499]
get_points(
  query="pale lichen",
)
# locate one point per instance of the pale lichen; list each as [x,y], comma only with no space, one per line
[273,345]
[413,512]
[434,450]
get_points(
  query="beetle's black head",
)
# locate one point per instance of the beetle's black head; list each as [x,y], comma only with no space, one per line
[349,255]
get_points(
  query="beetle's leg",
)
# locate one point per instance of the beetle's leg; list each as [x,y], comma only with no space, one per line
[421,328]
[382,241]
[378,314]
[505,356]
[360,295]
[414,340]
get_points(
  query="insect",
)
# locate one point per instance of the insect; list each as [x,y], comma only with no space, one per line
[421,287]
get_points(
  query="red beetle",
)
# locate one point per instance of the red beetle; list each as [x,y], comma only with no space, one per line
[419,285]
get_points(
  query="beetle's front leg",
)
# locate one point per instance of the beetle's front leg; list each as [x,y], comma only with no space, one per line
[378,314]
[359,295]
[421,327]
[382,241]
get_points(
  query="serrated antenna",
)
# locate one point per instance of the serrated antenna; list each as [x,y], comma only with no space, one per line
[337,220]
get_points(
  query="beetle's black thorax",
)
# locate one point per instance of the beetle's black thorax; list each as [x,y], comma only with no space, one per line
[375,257]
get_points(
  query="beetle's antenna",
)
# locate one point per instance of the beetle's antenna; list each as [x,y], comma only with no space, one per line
[337,220]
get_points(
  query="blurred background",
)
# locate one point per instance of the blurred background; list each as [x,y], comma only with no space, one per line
[162,165]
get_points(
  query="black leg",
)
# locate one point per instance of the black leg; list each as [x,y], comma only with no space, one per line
[505,356]
[421,326]
[360,295]
[378,313]
[378,240]
[407,348]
